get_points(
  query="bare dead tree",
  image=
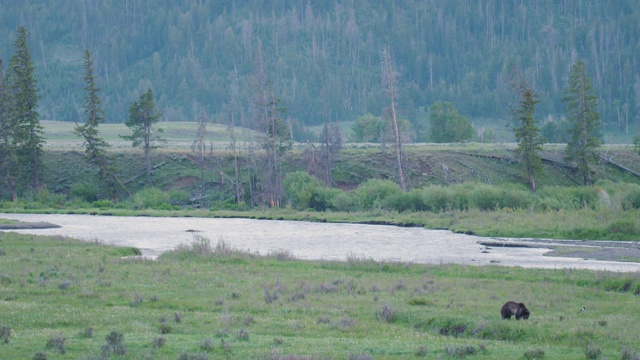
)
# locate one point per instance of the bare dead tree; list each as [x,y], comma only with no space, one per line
[198,146]
[389,81]
[233,145]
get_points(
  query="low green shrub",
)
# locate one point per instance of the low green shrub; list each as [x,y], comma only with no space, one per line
[149,198]
[346,201]
[500,331]
[374,193]
[534,354]
[86,191]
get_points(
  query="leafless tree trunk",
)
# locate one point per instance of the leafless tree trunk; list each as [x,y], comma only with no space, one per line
[389,79]
[239,187]
[198,145]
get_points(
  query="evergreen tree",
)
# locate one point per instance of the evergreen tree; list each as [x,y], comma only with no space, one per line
[23,115]
[95,146]
[143,116]
[7,148]
[447,125]
[528,136]
[584,118]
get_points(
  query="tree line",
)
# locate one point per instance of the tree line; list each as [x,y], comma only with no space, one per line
[22,141]
[21,134]
[323,56]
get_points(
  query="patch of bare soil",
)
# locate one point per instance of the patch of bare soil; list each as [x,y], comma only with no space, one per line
[628,251]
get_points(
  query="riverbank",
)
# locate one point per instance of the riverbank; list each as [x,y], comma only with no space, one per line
[315,240]
[202,300]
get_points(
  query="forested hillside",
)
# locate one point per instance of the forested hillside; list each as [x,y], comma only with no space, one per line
[199,55]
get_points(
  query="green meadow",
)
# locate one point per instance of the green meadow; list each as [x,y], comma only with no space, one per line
[65,299]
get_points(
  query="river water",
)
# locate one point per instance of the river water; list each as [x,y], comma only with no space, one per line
[307,240]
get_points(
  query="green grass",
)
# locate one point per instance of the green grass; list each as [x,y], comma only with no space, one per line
[211,299]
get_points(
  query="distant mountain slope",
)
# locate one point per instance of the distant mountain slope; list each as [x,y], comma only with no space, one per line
[200,55]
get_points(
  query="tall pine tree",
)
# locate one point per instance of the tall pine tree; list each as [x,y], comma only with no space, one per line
[7,145]
[528,136]
[584,119]
[23,115]
[95,146]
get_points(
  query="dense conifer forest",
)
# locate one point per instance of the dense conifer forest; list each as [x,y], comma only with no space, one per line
[323,57]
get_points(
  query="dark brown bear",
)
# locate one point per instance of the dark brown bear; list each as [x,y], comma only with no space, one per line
[511,308]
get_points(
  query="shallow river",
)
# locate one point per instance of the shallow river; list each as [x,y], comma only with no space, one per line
[306,240]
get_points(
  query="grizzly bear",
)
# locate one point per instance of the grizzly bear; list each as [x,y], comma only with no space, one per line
[511,308]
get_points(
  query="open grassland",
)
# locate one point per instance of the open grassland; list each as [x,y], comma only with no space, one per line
[61,298]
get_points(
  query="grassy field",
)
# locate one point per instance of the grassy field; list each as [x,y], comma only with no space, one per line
[70,299]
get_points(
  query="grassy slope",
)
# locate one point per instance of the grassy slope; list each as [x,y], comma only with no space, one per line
[59,288]
[425,163]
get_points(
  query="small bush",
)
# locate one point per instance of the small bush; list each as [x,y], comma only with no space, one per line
[627,354]
[5,333]
[85,191]
[346,323]
[345,201]
[500,331]
[373,193]
[5,279]
[282,255]
[159,342]
[103,204]
[149,198]
[39,355]
[534,354]
[64,285]
[164,328]
[57,343]
[243,335]
[460,351]
[623,226]
[450,326]
[115,344]
[421,351]
[386,314]
[631,197]
[592,351]
[485,197]
[137,299]
[207,344]
[361,356]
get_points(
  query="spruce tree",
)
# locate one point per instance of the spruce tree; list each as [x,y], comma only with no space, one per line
[23,115]
[143,115]
[528,136]
[7,148]
[584,119]
[95,146]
